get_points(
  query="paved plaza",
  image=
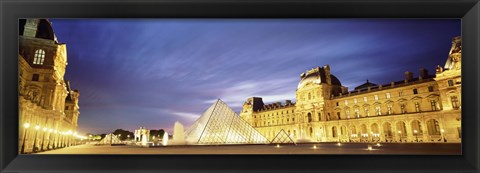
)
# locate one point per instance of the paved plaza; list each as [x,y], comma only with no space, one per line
[321,148]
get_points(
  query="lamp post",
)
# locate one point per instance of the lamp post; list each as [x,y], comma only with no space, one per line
[399,136]
[416,136]
[35,141]
[75,138]
[443,136]
[43,137]
[26,126]
[62,134]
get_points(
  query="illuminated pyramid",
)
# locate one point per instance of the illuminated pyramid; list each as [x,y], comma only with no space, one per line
[221,125]
[109,139]
[282,137]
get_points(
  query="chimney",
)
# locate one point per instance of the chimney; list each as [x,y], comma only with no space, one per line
[423,73]
[408,76]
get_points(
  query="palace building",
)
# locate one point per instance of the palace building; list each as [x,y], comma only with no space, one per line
[425,108]
[48,107]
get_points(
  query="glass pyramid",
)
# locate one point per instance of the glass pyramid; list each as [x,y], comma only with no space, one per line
[282,138]
[109,139]
[219,124]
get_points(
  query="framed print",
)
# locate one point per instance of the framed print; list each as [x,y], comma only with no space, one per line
[268,86]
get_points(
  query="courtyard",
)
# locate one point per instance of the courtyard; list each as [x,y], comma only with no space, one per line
[310,148]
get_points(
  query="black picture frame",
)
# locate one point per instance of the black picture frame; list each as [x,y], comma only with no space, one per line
[11,11]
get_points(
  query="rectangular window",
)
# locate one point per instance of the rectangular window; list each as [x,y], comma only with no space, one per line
[459,132]
[357,113]
[403,108]
[430,89]
[35,77]
[347,112]
[355,100]
[346,102]
[338,104]
[365,99]
[450,82]
[417,107]
[434,105]
[376,97]
[454,100]
[389,109]
[400,94]
[415,91]
[338,115]
[388,95]
[378,110]
[367,113]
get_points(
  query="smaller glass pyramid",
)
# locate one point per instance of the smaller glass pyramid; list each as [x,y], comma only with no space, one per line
[219,124]
[282,138]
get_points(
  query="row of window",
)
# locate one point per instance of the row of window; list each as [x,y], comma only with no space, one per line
[387,96]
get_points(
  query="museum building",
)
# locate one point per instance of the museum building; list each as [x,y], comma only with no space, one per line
[48,107]
[425,108]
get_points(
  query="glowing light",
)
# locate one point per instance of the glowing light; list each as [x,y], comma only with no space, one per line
[369,147]
[314,147]
[26,125]
[278,146]
[339,144]
[45,129]
[50,130]
[165,139]
[442,130]
[378,144]
[37,127]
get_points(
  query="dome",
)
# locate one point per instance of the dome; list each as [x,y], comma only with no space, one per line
[317,76]
[42,28]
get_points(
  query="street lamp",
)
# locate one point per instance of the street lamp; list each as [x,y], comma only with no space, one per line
[26,126]
[416,136]
[400,136]
[443,136]
[35,141]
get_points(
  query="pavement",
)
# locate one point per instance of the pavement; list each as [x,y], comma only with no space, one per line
[321,148]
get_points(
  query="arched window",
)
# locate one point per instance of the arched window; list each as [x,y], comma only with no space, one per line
[387,129]
[416,127]
[401,129]
[353,130]
[374,128]
[39,56]
[309,117]
[433,127]
[364,129]
[334,131]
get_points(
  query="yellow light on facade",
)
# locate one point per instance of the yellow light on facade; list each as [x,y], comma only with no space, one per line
[45,129]
[378,144]
[339,144]
[37,127]
[369,147]
[415,131]
[314,147]
[55,131]
[278,146]
[442,130]
[26,125]
[50,130]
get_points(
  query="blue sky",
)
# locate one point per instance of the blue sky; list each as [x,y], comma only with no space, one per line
[153,72]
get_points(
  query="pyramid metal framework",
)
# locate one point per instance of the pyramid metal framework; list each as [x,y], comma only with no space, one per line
[282,138]
[219,124]
[109,139]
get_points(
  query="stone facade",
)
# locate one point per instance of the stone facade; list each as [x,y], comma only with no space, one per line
[426,108]
[48,107]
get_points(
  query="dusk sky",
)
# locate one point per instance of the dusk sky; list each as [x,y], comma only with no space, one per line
[153,72]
